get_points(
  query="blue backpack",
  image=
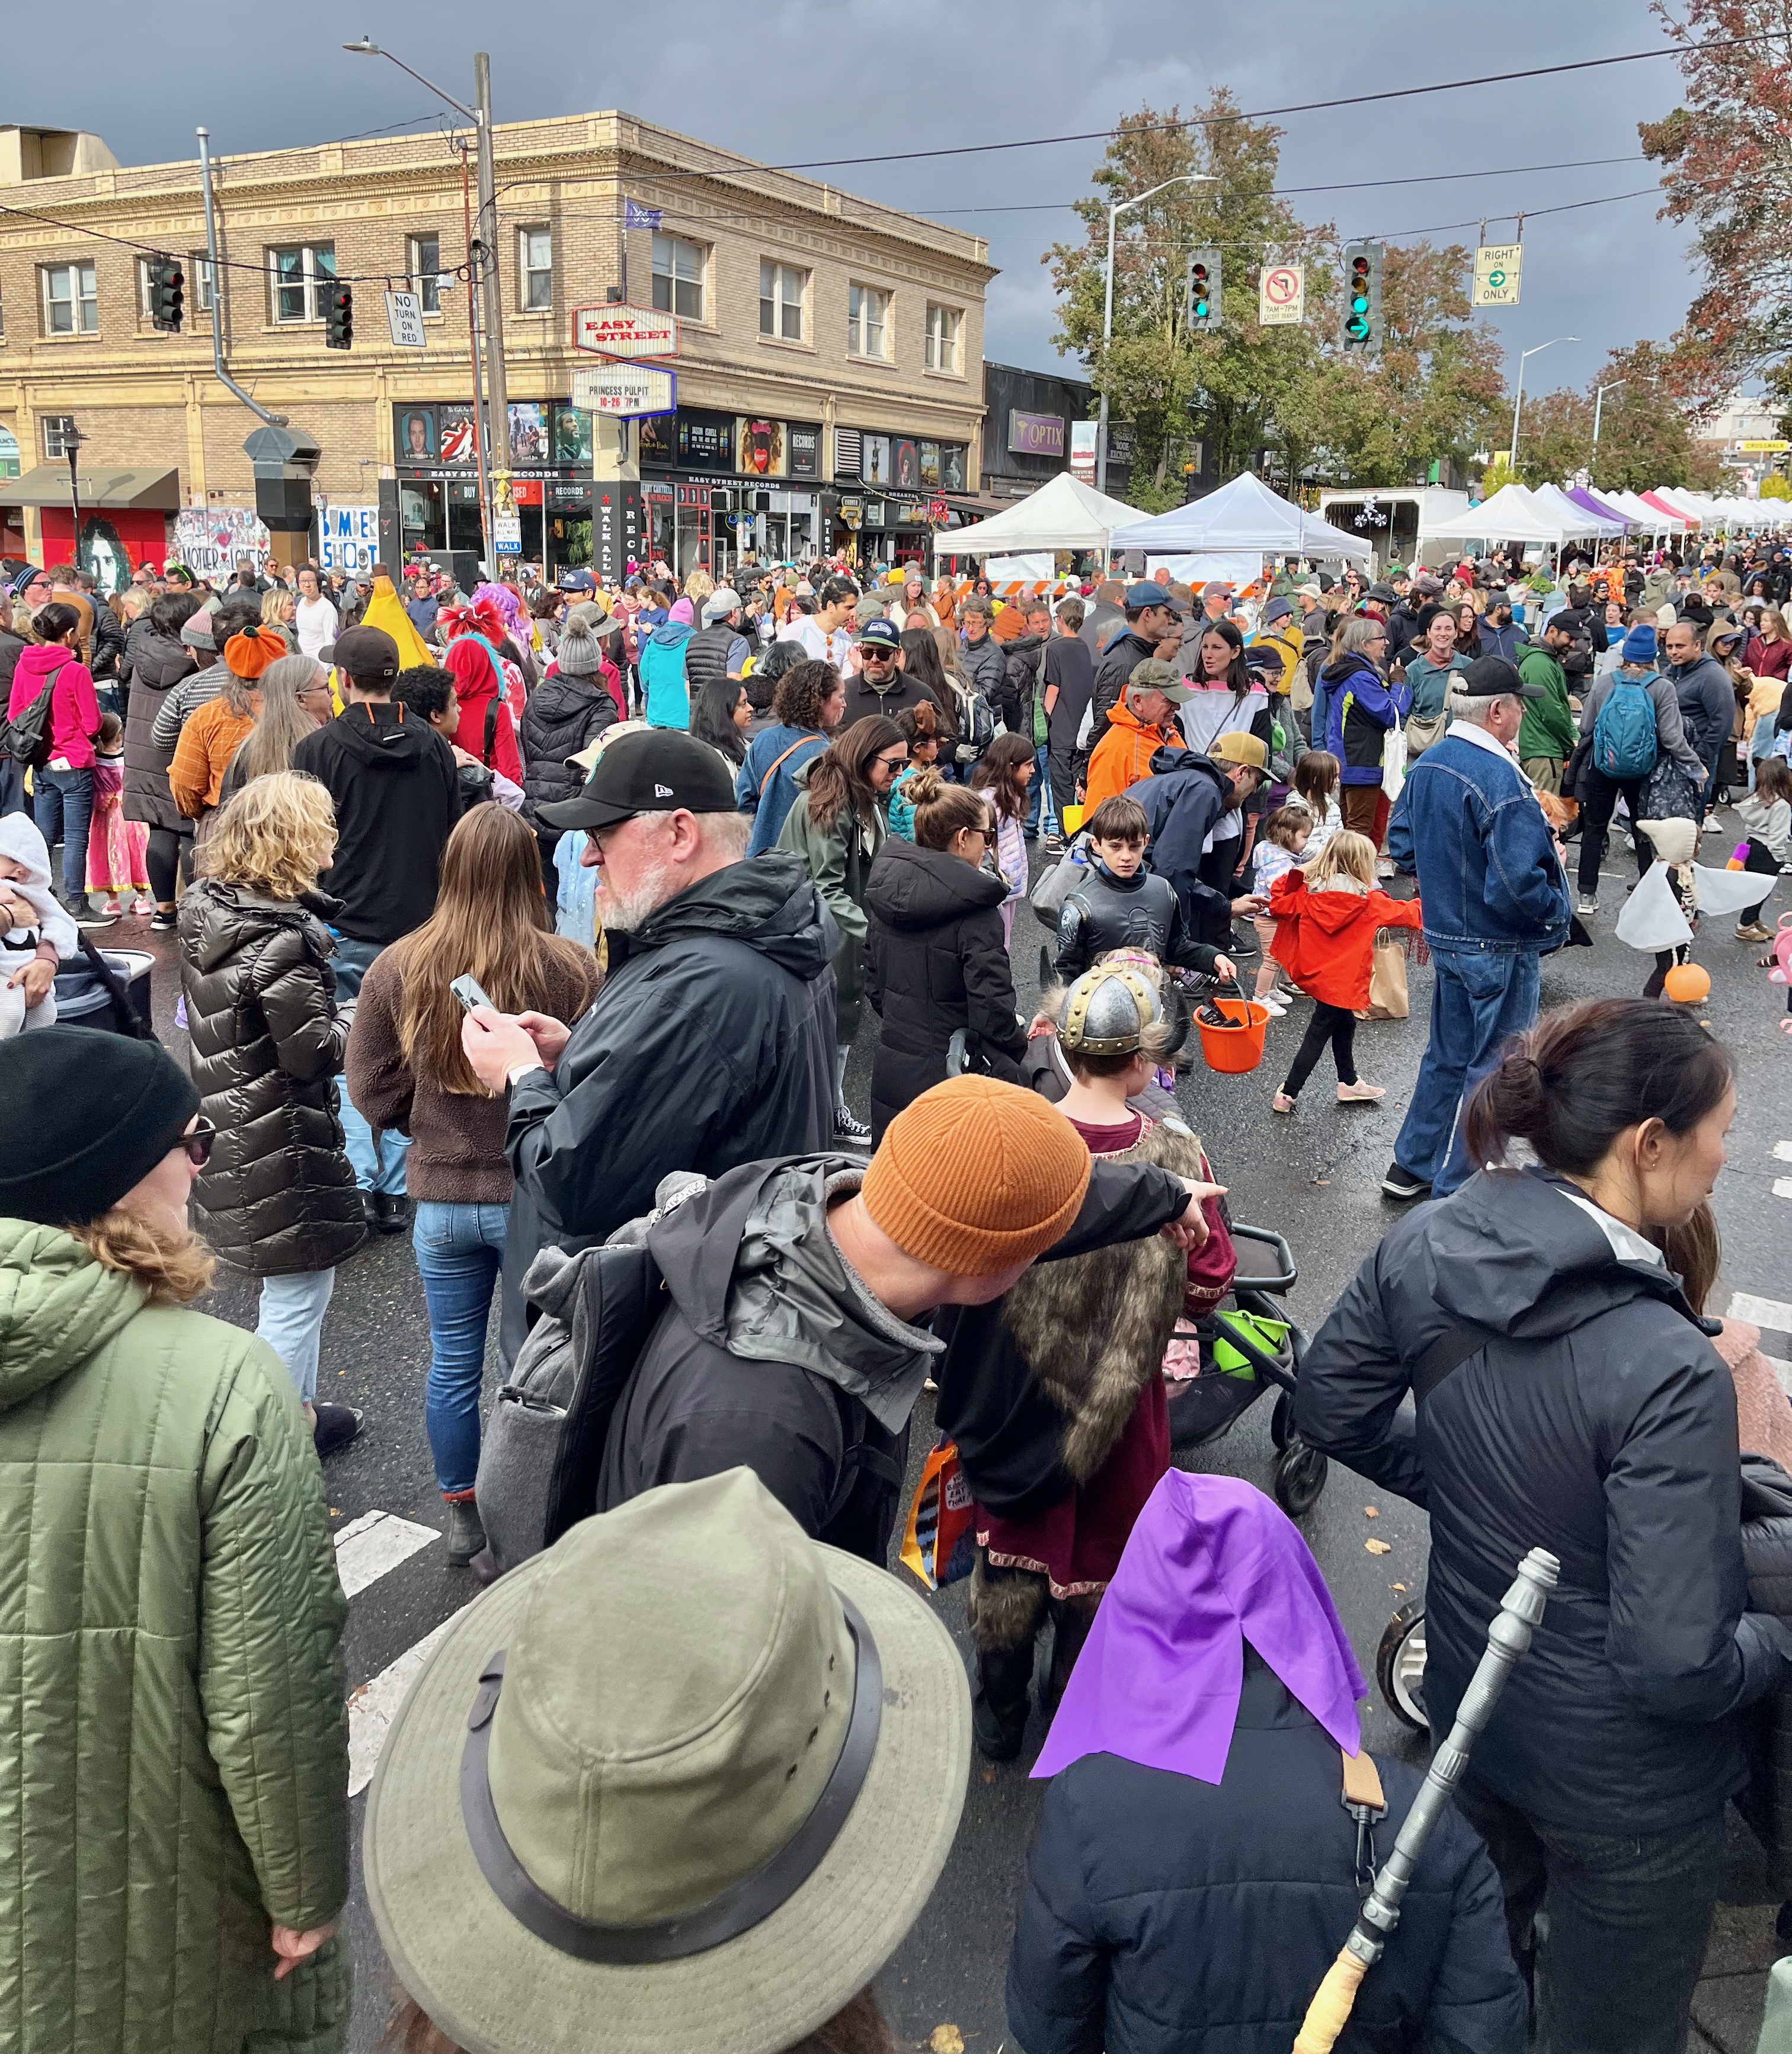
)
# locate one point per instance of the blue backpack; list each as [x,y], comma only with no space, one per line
[1623,744]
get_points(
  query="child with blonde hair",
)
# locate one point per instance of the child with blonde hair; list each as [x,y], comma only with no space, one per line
[1282,845]
[1326,917]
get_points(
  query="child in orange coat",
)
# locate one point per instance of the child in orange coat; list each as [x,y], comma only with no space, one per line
[1327,916]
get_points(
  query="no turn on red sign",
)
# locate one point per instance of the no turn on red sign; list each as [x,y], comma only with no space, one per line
[1282,295]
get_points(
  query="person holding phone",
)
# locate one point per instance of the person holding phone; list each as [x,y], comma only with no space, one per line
[489,942]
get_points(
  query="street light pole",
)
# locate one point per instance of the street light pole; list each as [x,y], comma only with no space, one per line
[1518,398]
[72,442]
[1599,404]
[1115,208]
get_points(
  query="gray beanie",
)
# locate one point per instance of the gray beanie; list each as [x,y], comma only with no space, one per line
[197,633]
[582,651]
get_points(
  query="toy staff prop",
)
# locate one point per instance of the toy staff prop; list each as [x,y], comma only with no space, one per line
[1508,1638]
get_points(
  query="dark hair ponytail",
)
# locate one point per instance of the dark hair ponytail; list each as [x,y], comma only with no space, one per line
[1573,1085]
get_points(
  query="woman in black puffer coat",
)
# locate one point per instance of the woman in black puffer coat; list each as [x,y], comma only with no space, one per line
[935,962]
[157,660]
[278,1194]
[567,713]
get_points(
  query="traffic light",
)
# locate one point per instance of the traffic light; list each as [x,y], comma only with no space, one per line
[167,293]
[339,317]
[1360,331]
[1203,291]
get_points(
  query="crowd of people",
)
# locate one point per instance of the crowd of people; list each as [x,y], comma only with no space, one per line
[541,924]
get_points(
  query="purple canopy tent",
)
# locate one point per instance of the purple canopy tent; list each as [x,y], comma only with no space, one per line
[1594,505]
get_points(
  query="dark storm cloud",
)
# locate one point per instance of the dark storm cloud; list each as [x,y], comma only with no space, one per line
[799,81]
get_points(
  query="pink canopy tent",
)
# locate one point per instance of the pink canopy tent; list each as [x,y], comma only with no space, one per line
[1664,505]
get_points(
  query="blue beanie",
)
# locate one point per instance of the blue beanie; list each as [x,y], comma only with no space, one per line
[1639,646]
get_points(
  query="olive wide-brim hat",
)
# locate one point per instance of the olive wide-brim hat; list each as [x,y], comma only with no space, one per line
[683,1782]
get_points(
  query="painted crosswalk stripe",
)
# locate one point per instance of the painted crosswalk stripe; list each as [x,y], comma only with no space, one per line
[1782,1151]
[1782,1187]
[1783,1372]
[373,1708]
[367,1548]
[1774,1314]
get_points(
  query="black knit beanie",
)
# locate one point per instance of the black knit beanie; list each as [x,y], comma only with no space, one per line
[88,1116]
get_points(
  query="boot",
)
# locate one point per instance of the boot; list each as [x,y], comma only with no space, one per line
[466,1535]
[999,1703]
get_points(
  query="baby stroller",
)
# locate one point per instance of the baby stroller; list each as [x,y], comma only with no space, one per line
[1400,1666]
[1246,1344]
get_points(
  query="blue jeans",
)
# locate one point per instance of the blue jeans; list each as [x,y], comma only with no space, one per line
[1479,998]
[378,1157]
[460,1250]
[1041,814]
[291,1321]
[63,806]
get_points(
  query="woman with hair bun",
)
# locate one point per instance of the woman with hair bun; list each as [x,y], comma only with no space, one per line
[1568,1398]
[936,965]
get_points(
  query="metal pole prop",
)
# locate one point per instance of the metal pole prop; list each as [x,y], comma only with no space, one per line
[1508,1638]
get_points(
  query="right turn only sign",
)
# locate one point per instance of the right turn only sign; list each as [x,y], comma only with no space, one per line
[1496,273]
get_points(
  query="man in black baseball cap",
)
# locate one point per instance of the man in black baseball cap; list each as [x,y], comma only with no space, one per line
[711,1042]
[1153,629]
[880,684]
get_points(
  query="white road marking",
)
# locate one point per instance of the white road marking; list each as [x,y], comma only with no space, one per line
[1783,1370]
[373,1708]
[1782,1151]
[1773,1313]
[367,1548]
[1782,1187]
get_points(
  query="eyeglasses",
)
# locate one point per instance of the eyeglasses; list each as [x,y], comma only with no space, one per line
[197,1144]
[893,762]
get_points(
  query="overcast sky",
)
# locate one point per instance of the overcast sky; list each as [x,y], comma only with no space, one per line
[796,80]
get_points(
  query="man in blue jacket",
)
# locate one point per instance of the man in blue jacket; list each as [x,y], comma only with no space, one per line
[1495,901]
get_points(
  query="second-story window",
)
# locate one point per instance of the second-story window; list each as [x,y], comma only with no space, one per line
[780,296]
[535,261]
[678,276]
[944,326]
[198,279]
[71,300]
[301,274]
[426,271]
[868,312]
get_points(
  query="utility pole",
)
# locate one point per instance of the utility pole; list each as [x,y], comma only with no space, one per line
[495,385]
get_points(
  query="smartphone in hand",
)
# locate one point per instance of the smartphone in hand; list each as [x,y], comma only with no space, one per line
[466,990]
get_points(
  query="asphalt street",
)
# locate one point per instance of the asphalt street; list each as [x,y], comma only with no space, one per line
[1314,1178]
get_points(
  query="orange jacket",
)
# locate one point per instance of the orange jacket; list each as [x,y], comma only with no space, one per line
[1326,939]
[1123,755]
[209,740]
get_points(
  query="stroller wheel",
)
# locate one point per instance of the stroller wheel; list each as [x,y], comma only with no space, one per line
[1299,1478]
[1400,1666]
[1281,1420]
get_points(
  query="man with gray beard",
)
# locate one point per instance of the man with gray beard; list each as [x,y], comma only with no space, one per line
[710,1042]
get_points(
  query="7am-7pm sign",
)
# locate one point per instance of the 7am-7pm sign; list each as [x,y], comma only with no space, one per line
[629,332]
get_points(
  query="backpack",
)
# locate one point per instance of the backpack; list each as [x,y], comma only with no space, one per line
[476,780]
[27,738]
[1624,743]
[976,722]
[1056,883]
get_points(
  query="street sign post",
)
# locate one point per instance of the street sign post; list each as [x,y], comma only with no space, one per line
[1764,448]
[1282,295]
[625,391]
[1496,273]
[404,319]
[629,332]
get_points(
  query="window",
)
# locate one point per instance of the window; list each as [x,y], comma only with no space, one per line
[678,276]
[868,319]
[57,428]
[781,292]
[71,300]
[301,275]
[535,260]
[426,271]
[944,326]
[198,279]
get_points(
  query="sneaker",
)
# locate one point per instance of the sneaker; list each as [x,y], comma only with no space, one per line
[1754,931]
[85,919]
[143,909]
[391,1211]
[1053,844]
[1384,867]
[1272,1005]
[1586,907]
[1361,1094]
[162,923]
[1402,1184]
[466,1535]
[112,909]
[337,1424]
[847,1128]
[1281,1102]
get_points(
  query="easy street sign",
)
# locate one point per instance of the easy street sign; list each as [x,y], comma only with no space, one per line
[625,332]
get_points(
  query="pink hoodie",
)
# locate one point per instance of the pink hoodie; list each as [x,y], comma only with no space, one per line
[74,712]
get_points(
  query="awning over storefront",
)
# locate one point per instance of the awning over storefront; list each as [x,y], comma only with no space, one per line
[48,485]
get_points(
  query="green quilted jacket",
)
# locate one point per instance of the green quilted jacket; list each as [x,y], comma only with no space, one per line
[173,1741]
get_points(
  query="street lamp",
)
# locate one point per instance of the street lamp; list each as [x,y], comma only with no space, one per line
[72,440]
[1599,404]
[497,408]
[1115,208]
[1518,398]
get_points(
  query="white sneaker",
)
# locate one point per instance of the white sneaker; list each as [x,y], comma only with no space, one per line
[1272,1005]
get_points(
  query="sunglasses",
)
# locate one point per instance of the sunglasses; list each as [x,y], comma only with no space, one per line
[894,762]
[198,1144]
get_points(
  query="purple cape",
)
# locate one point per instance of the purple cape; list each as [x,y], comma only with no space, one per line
[1211,1564]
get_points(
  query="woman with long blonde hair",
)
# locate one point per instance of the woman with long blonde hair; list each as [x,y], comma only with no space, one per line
[279,611]
[278,1193]
[406,1069]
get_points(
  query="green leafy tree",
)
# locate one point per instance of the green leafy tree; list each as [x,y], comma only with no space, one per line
[1645,436]
[1555,438]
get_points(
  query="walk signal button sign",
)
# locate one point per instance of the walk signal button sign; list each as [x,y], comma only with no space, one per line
[1496,273]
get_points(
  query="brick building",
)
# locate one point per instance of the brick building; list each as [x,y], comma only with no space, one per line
[829,367]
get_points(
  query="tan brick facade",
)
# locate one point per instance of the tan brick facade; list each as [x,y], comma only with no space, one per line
[142,399]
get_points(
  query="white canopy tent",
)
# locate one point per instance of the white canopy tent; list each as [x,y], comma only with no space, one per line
[1576,520]
[1649,518]
[1510,515]
[1064,514]
[1243,516]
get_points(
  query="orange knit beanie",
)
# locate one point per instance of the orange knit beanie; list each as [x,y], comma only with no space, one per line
[976,1176]
[249,652]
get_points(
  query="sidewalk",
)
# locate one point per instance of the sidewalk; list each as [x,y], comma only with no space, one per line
[1728,2003]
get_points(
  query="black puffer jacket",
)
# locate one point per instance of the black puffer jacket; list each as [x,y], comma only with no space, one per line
[1597,1423]
[267,1042]
[158,662]
[1022,663]
[935,962]
[564,715]
[1766,1804]
[1150,1898]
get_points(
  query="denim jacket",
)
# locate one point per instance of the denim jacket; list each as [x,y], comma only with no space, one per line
[1489,876]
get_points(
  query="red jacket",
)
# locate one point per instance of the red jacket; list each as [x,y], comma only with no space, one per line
[1326,939]
[74,712]
[476,686]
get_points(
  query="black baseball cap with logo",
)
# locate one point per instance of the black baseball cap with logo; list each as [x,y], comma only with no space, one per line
[369,654]
[661,771]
